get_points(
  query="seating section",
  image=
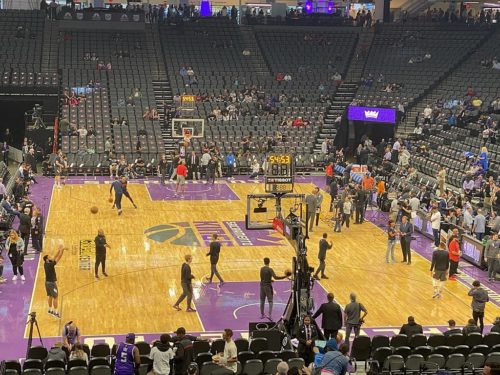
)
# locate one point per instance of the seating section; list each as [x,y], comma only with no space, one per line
[396,45]
[226,79]
[419,353]
[29,79]
[22,40]
[113,72]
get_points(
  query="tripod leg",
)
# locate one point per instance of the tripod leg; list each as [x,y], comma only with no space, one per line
[38,330]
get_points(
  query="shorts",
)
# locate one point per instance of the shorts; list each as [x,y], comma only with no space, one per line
[51,289]
[181,180]
[439,275]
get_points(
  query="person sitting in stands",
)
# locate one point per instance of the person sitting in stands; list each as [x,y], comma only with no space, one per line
[411,328]
[470,327]
[298,122]
[452,329]
[147,114]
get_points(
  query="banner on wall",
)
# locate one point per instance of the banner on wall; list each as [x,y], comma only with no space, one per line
[102,15]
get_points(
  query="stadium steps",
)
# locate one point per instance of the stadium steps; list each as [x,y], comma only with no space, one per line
[163,97]
[256,60]
[50,50]
[346,91]
[406,127]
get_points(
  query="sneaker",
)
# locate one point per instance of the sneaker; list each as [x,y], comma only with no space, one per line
[135,206]
[263,317]
[176,307]
[3,280]
[316,277]
[324,277]
[221,284]
[105,274]
[14,278]
[190,309]
[23,278]
[56,314]
[97,277]
[119,212]
[435,294]
[50,311]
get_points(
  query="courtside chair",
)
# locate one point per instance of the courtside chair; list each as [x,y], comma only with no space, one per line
[253,367]
[455,362]
[476,359]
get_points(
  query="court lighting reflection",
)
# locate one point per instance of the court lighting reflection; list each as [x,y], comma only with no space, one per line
[308,7]
[147,246]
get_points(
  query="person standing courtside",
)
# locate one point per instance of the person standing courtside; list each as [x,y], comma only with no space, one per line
[181,171]
[439,270]
[186,283]
[324,246]
[331,317]
[193,166]
[214,259]
[492,253]
[405,233]
[49,264]
[162,169]
[266,287]
[312,205]
[127,357]
[100,253]
[360,205]
[353,317]
[479,299]
[118,188]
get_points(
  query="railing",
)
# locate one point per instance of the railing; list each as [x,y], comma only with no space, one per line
[55,137]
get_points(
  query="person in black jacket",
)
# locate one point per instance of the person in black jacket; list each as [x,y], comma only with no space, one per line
[360,205]
[411,328]
[334,190]
[471,327]
[25,227]
[496,325]
[184,353]
[100,252]
[187,287]
[452,329]
[331,317]
[37,229]
[440,265]
[214,259]
[307,335]
[324,246]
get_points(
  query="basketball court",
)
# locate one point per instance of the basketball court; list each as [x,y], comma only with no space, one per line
[148,245]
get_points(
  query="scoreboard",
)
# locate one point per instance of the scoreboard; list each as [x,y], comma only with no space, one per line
[279,173]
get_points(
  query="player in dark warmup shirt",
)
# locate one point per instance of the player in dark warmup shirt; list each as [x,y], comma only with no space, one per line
[118,188]
[127,357]
[125,191]
[266,287]
[100,252]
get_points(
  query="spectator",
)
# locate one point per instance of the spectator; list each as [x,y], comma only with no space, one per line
[452,329]
[496,325]
[479,226]
[478,304]
[79,353]
[282,368]
[470,327]
[454,255]
[255,169]
[411,328]
[228,359]
[57,353]
[162,354]
[492,254]
[336,362]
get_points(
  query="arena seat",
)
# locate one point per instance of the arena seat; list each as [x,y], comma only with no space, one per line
[258,344]
[37,352]
[55,371]
[270,365]
[200,346]
[296,362]
[414,363]
[208,367]
[100,370]
[54,363]
[455,339]
[417,340]
[436,340]
[265,355]
[253,367]
[201,358]
[287,354]
[438,359]
[100,350]
[455,361]
[245,356]
[76,363]
[476,359]
[361,348]
[217,346]
[379,341]
[393,363]
[32,363]
[399,340]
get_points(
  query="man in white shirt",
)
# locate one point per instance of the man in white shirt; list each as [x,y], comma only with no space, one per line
[227,360]
[255,169]
[324,146]
[414,204]
[436,226]
[427,114]
[396,146]
[468,219]
[205,158]
[161,354]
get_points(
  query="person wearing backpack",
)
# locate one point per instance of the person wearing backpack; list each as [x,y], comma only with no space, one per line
[353,317]
[479,299]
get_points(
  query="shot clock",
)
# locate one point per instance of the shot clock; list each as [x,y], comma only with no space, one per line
[280,173]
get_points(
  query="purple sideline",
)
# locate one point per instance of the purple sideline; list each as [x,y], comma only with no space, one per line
[16,296]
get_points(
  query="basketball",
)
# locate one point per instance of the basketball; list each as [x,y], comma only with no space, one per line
[94,209]
[110,200]
[288,272]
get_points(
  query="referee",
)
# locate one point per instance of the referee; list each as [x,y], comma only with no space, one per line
[214,259]
[266,287]
[440,265]
[100,253]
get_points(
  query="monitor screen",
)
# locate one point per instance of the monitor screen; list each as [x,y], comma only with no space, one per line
[371,114]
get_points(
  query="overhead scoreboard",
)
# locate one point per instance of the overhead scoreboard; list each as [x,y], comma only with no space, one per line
[280,173]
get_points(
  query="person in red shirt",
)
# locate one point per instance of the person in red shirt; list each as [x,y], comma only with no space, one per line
[368,182]
[181,177]
[298,122]
[329,173]
[454,254]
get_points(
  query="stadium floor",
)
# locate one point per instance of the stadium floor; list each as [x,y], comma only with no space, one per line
[148,246]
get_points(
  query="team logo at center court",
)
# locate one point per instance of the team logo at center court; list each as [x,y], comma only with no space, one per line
[229,233]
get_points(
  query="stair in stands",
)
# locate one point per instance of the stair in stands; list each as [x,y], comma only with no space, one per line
[346,91]
[162,91]
[256,60]
[49,58]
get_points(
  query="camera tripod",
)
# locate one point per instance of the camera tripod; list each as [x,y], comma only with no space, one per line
[32,322]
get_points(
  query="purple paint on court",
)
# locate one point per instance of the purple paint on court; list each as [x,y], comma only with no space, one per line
[194,192]
[16,295]
[237,303]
